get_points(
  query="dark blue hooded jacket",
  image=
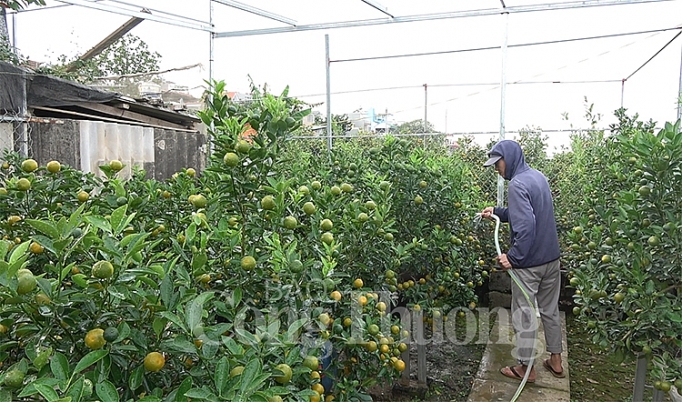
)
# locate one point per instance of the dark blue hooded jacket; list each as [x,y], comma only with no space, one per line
[534,239]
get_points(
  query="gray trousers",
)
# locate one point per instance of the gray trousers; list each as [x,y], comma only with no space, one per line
[543,285]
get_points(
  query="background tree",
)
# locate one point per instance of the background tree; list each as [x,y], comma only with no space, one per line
[341,124]
[415,127]
[6,51]
[127,56]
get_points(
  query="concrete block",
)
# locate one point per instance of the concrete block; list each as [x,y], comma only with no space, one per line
[498,299]
[500,281]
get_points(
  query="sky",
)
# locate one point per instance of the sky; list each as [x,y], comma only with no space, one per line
[463,88]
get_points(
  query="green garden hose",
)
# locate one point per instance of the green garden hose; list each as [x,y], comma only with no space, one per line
[522,287]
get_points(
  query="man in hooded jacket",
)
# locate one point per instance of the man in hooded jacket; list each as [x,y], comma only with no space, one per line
[533,254]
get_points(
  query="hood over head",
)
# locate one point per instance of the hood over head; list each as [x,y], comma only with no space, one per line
[512,154]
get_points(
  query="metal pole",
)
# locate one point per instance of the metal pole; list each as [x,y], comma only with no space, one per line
[622,94]
[420,338]
[426,95]
[503,100]
[640,378]
[329,95]
[679,96]
[210,43]
[386,129]
[406,321]
[14,34]
[23,147]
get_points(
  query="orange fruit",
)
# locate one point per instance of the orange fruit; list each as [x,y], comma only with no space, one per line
[23,184]
[53,166]
[115,165]
[154,361]
[36,248]
[83,196]
[248,263]
[94,339]
[102,270]
[319,388]
[286,375]
[29,165]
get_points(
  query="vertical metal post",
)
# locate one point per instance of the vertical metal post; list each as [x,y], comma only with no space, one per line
[387,128]
[426,95]
[329,95]
[622,93]
[211,42]
[503,101]
[14,34]
[640,379]
[406,321]
[23,148]
[679,95]
[420,338]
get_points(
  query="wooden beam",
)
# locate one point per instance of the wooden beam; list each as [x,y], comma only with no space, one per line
[106,42]
[129,115]
[92,116]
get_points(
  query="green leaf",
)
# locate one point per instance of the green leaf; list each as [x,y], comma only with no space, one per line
[174,319]
[185,386]
[5,395]
[252,369]
[89,359]
[18,252]
[99,222]
[47,392]
[45,227]
[158,325]
[201,394]
[181,345]
[117,216]
[106,391]
[195,310]
[199,260]
[136,378]
[190,232]
[166,291]
[4,247]
[233,347]
[75,391]
[222,375]
[236,297]
[59,366]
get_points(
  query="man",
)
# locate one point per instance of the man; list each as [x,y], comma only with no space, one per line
[533,254]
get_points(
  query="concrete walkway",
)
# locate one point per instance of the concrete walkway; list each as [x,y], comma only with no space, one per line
[490,385]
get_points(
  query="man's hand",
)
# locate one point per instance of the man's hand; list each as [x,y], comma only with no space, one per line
[488,212]
[503,261]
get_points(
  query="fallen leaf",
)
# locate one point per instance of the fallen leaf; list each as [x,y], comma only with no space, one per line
[591,381]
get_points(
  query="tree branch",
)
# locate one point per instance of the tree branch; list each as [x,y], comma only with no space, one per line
[114,77]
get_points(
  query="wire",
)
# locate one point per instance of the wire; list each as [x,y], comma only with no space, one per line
[551,42]
[652,57]
[473,84]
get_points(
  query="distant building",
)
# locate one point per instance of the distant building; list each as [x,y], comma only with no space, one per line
[239,97]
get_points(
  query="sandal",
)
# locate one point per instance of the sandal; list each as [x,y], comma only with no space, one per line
[557,374]
[514,374]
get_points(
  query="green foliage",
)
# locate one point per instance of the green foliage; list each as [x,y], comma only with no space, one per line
[19,4]
[129,55]
[624,251]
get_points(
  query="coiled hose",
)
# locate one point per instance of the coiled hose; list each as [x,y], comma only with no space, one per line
[522,287]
